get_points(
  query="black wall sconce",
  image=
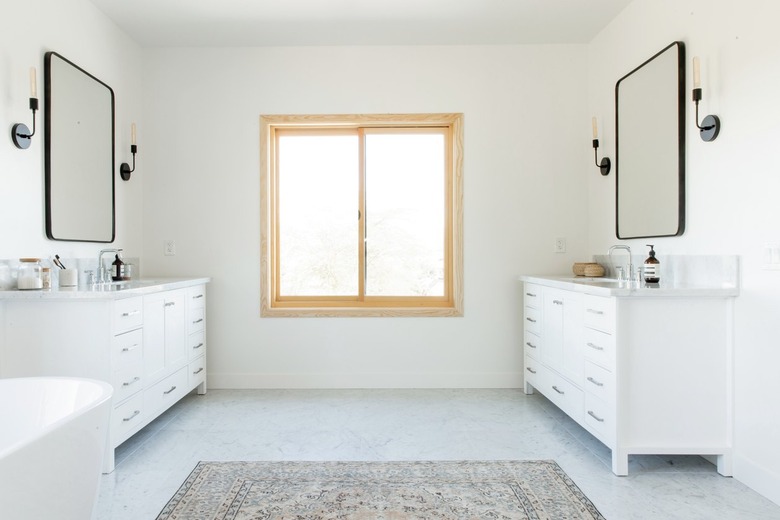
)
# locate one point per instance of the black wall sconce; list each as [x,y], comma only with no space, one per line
[605,166]
[710,126]
[124,168]
[20,132]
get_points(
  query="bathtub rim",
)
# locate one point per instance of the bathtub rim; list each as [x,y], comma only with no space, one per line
[107,392]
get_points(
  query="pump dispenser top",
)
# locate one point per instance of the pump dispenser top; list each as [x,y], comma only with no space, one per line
[652,267]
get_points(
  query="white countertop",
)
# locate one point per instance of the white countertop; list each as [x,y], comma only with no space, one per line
[112,291]
[611,287]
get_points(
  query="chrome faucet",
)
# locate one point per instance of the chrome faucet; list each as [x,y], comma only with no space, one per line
[102,272]
[630,268]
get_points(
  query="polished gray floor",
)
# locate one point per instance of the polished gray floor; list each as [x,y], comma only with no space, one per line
[312,425]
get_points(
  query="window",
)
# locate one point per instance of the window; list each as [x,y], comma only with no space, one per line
[362,215]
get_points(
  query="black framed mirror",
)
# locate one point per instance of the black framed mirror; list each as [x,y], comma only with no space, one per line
[650,147]
[79,153]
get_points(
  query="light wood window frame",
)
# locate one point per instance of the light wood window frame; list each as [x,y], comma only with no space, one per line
[272,305]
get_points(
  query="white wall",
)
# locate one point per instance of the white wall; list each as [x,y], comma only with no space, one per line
[524,182]
[733,183]
[81,33]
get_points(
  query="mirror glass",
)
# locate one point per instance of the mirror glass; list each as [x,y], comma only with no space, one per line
[79,153]
[650,139]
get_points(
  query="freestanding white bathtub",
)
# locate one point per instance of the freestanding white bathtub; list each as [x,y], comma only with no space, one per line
[53,432]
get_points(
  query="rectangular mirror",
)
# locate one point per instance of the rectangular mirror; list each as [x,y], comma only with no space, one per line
[79,153]
[650,147]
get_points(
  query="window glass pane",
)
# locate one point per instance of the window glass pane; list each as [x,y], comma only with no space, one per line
[405,214]
[318,215]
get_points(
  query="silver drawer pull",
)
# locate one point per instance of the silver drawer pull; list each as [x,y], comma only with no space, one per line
[131,313]
[530,344]
[595,311]
[197,346]
[197,321]
[599,419]
[532,295]
[531,320]
[559,391]
[595,382]
[197,296]
[594,346]
[125,419]
[170,304]
[530,370]
[128,383]
[171,390]
[558,302]
[130,348]
[198,371]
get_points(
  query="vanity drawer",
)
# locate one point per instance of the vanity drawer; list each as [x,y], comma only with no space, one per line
[127,349]
[532,296]
[532,344]
[128,314]
[196,297]
[196,320]
[166,392]
[599,417]
[128,380]
[196,344]
[533,320]
[563,394]
[196,372]
[599,382]
[126,418]
[533,372]
[599,313]
[599,347]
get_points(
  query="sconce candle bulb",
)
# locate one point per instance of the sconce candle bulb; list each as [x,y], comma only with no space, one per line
[605,165]
[33,83]
[124,168]
[710,126]
[20,132]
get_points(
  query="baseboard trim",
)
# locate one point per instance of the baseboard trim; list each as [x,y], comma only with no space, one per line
[330,381]
[758,478]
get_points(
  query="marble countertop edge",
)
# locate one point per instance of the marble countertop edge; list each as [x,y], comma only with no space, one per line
[611,287]
[114,291]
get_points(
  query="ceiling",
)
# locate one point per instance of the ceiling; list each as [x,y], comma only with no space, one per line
[177,23]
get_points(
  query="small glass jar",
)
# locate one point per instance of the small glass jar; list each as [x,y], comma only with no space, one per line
[30,274]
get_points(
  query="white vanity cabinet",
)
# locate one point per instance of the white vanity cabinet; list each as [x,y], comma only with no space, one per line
[138,339]
[645,372]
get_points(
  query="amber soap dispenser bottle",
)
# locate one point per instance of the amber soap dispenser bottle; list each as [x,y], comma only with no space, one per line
[652,267]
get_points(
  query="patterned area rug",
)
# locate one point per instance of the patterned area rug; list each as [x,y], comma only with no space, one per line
[534,490]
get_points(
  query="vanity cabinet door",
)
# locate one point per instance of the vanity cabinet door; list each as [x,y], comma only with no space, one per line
[562,350]
[175,344]
[164,333]
[154,336]
[552,351]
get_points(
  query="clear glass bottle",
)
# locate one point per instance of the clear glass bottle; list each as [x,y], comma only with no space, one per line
[30,274]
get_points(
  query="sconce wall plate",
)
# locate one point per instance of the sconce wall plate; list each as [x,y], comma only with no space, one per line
[20,134]
[710,128]
[605,166]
